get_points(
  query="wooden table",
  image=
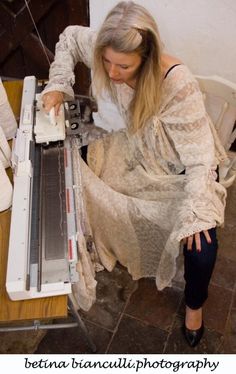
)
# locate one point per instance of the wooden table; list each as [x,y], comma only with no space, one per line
[42,308]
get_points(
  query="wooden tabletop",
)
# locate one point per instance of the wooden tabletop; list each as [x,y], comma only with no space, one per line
[42,308]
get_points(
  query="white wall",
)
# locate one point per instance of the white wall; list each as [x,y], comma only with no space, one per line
[202,33]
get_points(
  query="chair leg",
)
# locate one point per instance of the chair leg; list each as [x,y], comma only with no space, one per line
[81,324]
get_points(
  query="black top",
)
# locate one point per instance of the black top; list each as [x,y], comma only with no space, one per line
[172,67]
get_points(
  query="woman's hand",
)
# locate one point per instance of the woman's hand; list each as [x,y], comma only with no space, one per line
[52,99]
[189,240]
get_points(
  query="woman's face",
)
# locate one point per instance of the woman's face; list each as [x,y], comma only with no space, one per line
[121,67]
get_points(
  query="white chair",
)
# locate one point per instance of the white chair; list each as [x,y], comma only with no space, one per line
[5,189]
[5,158]
[220,101]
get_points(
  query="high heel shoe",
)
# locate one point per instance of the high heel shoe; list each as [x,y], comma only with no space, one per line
[193,337]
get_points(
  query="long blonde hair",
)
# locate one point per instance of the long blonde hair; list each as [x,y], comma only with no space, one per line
[128,28]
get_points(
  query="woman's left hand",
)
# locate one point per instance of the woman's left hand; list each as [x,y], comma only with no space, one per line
[189,240]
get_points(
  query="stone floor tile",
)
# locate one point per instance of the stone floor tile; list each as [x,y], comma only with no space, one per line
[217,308]
[176,343]
[229,345]
[234,300]
[227,234]
[227,240]
[113,289]
[152,306]
[230,204]
[19,342]
[224,274]
[134,336]
[72,340]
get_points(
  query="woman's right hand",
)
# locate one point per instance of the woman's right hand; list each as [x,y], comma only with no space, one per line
[52,99]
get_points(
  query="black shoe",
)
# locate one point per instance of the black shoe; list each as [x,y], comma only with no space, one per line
[193,337]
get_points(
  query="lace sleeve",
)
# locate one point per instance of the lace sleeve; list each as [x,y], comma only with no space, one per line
[187,126]
[75,44]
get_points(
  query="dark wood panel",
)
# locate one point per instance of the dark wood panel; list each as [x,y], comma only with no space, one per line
[21,25]
[21,53]
[14,5]
[35,62]
[15,65]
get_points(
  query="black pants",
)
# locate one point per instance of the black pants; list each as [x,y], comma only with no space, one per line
[198,268]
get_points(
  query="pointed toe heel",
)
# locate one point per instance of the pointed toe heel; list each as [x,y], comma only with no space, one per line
[193,337]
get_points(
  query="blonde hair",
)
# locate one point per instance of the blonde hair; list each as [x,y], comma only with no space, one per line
[130,28]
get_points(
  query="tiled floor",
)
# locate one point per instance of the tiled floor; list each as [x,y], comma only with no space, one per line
[133,317]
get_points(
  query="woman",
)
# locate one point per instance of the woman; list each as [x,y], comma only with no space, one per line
[152,185]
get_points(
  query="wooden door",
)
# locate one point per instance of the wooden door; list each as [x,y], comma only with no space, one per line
[21,52]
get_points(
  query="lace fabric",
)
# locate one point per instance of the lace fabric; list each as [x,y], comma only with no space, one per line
[5,189]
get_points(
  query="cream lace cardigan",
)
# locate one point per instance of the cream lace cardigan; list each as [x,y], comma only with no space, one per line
[138,206]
